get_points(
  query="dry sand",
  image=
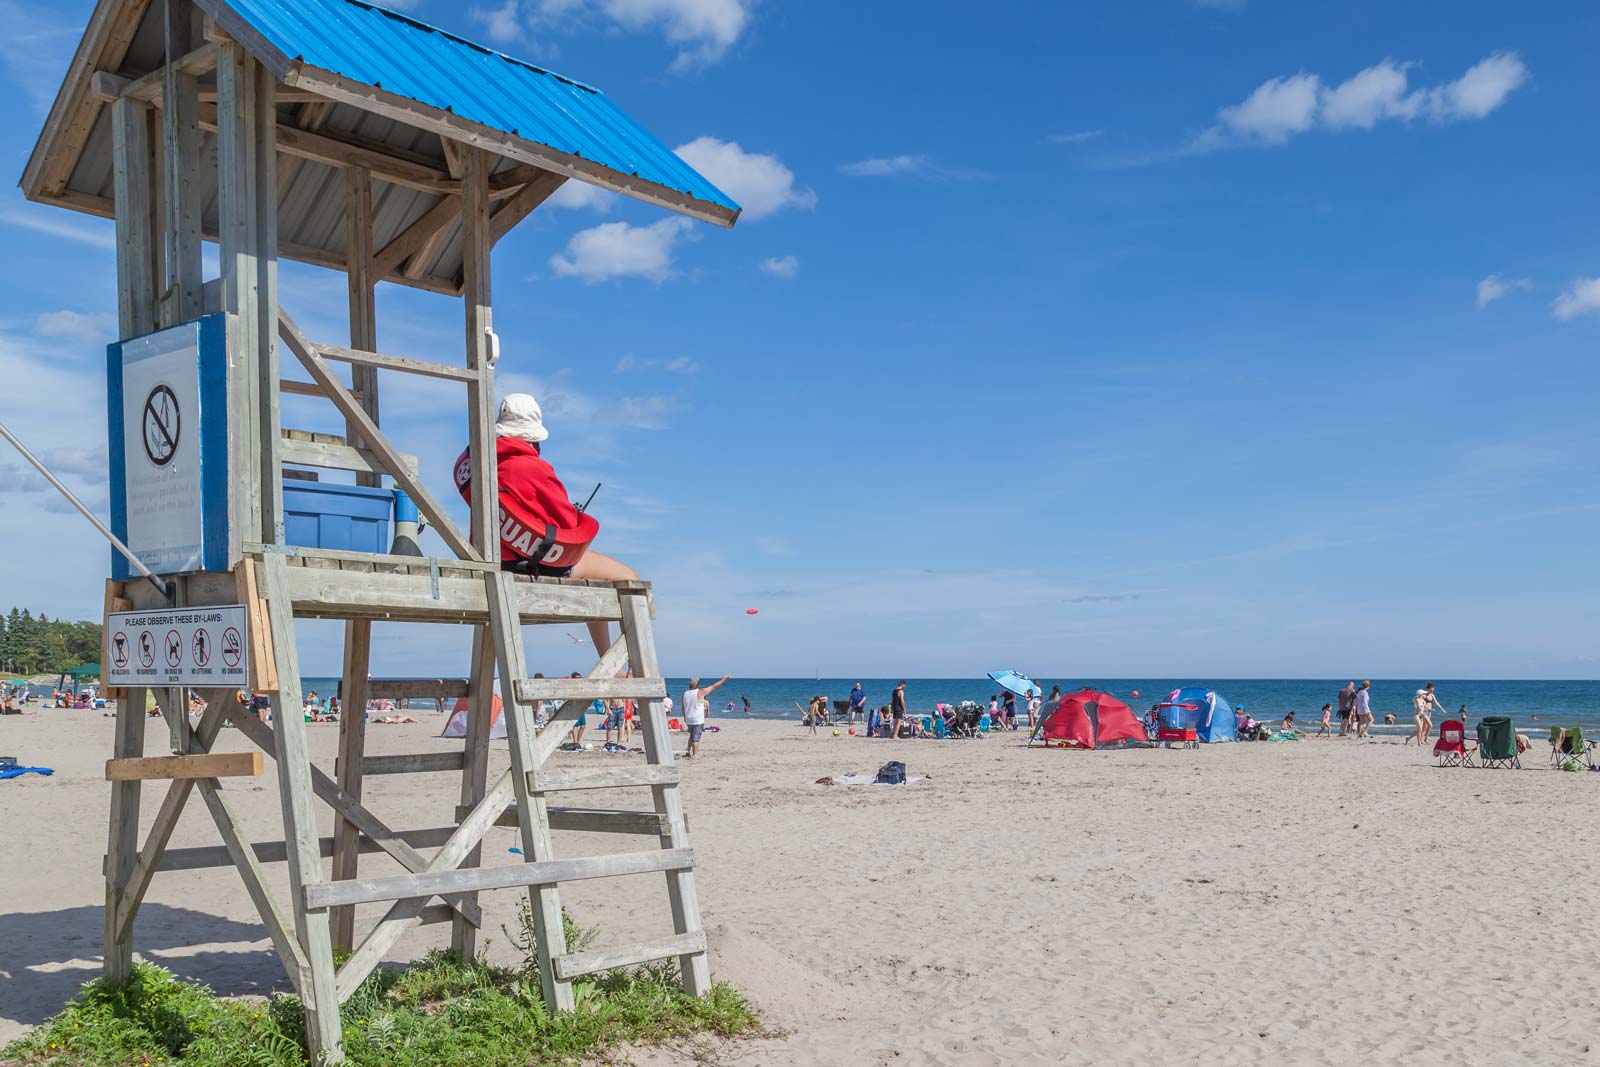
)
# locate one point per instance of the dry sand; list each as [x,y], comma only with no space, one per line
[1331,902]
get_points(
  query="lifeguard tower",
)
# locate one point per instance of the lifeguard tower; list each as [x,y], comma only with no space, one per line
[338,133]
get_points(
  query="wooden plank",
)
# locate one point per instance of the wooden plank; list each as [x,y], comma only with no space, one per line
[166,820]
[350,767]
[337,456]
[362,294]
[441,216]
[180,138]
[639,636]
[264,159]
[151,87]
[593,820]
[404,914]
[559,725]
[374,438]
[578,964]
[477,300]
[413,763]
[417,265]
[258,632]
[136,314]
[324,895]
[549,928]
[410,597]
[418,688]
[447,124]
[123,837]
[549,781]
[475,764]
[397,363]
[279,929]
[312,929]
[523,204]
[531,689]
[208,856]
[166,768]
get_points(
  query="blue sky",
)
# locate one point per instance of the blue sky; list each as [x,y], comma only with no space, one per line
[1225,339]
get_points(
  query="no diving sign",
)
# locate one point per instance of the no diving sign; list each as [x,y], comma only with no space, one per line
[198,647]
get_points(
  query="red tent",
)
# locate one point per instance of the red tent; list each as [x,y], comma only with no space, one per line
[1089,719]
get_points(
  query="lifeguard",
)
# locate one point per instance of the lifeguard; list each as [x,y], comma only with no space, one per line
[541,531]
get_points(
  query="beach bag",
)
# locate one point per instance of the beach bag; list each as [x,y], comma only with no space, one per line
[891,773]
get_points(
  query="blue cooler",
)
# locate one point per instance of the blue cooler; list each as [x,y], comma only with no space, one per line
[353,518]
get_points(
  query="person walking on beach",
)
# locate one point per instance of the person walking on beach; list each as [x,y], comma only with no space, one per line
[1423,704]
[1363,710]
[1327,726]
[1009,711]
[1347,708]
[897,707]
[694,712]
[1033,709]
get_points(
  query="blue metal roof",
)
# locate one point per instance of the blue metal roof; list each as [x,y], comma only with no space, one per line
[382,48]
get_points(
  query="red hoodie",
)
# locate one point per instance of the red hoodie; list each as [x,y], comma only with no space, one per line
[531,496]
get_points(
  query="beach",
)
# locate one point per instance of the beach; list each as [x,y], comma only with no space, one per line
[1318,902]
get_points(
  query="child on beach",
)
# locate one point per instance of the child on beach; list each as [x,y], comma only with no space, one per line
[1327,724]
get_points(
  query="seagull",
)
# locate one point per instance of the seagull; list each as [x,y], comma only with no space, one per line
[575,639]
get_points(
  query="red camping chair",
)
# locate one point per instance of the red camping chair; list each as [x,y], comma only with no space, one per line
[1451,748]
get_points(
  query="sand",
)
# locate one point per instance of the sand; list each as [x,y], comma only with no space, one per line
[1325,902]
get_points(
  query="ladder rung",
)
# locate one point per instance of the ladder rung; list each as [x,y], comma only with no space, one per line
[531,689]
[578,964]
[413,762]
[589,820]
[548,781]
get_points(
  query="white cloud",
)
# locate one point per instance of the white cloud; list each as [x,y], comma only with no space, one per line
[647,412]
[1582,297]
[677,365]
[76,326]
[787,267]
[1277,110]
[1494,287]
[682,365]
[581,196]
[704,30]
[55,225]
[760,183]
[503,24]
[1480,90]
[1076,137]
[884,166]
[618,250]
[1377,93]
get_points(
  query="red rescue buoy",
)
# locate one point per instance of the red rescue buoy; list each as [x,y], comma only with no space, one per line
[1135,692]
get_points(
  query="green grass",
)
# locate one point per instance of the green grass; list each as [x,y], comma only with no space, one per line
[438,1012]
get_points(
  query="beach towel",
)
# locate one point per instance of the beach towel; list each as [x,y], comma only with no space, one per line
[18,772]
[863,779]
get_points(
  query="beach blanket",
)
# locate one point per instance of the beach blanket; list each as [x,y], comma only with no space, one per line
[863,779]
[18,772]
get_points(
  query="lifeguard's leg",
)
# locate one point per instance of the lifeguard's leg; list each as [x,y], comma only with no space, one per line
[597,566]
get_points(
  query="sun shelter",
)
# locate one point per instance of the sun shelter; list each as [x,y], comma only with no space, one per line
[1203,709]
[456,726]
[1089,719]
[342,134]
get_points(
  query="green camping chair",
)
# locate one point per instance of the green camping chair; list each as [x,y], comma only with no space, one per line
[1567,746]
[1497,743]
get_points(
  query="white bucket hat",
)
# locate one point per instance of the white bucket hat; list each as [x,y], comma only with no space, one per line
[520,417]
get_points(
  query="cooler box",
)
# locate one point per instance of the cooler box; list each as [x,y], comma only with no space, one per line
[353,518]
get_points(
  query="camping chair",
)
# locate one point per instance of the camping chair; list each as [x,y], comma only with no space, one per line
[1451,748]
[1567,745]
[1497,743]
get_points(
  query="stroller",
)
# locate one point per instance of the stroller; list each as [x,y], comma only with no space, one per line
[964,723]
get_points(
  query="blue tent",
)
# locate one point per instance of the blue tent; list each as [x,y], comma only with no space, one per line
[1202,708]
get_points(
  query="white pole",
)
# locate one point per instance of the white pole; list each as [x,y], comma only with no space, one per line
[138,564]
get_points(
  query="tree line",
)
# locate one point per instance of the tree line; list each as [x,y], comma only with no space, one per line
[36,644]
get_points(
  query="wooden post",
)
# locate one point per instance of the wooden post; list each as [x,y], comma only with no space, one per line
[357,633]
[122,847]
[537,845]
[685,901]
[475,765]
[477,295]
[266,209]
[241,242]
[130,130]
[181,298]
[299,823]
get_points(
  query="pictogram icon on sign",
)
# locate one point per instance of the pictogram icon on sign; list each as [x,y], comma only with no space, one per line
[174,649]
[162,425]
[202,648]
[147,648]
[232,647]
[119,649]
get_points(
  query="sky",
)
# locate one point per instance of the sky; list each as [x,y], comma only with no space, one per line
[1224,339]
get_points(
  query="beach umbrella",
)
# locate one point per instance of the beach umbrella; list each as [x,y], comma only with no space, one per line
[1019,684]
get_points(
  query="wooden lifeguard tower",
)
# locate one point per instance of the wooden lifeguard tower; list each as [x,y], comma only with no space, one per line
[337,133]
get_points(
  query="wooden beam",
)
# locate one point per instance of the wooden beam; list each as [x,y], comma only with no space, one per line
[447,124]
[210,765]
[523,204]
[478,301]
[334,455]
[475,764]
[548,781]
[350,767]
[263,658]
[136,312]
[122,847]
[412,763]
[335,152]
[550,872]
[376,441]
[531,689]
[593,820]
[359,358]
[361,291]
[208,856]
[404,246]
[151,88]
[578,964]
[418,688]
[182,299]
[354,594]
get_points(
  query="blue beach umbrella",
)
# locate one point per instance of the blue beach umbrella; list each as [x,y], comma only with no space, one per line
[1019,684]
